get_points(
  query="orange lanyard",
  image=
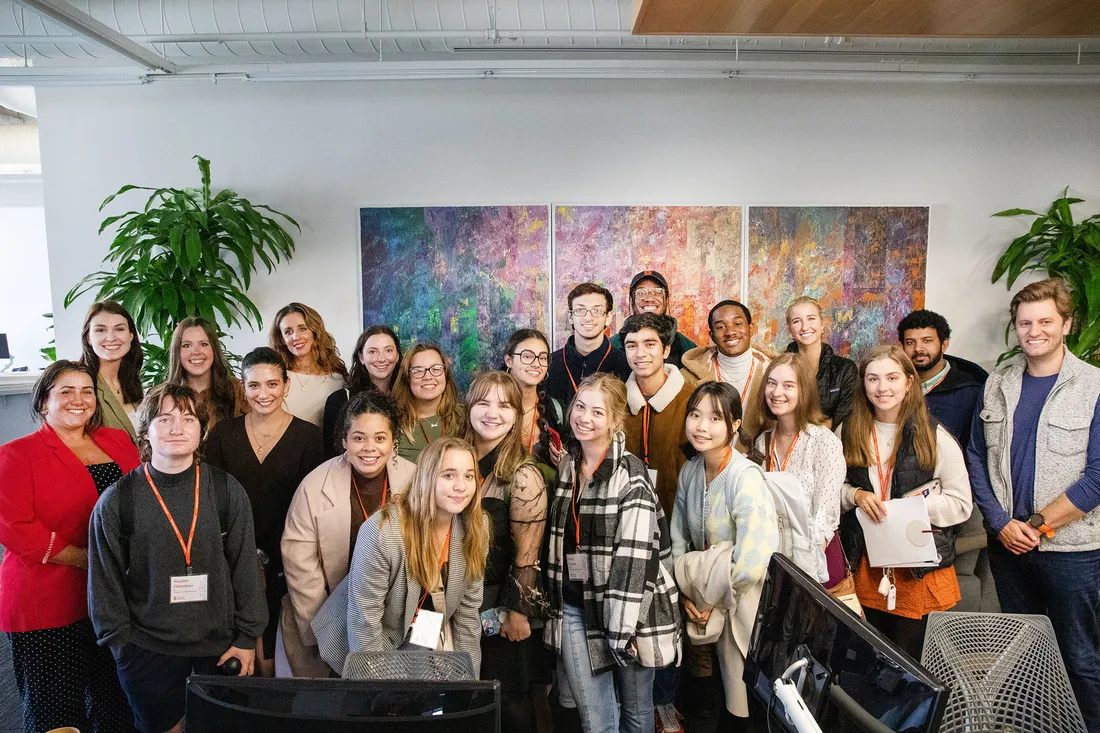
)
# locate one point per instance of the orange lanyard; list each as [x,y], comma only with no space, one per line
[774,459]
[570,374]
[646,421]
[573,505]
[175,527]
[385,490]
[442,423]
[442,561]
[883,478]
[748,382]
[531,442]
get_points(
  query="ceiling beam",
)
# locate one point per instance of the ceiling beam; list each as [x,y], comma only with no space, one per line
[85,25]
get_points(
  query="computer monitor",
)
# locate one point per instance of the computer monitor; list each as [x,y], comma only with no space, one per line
[856,679]
[257,705]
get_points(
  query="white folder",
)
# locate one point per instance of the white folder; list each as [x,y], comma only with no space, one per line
[904,539]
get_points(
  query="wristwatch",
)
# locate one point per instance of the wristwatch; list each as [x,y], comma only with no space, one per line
[1037,521]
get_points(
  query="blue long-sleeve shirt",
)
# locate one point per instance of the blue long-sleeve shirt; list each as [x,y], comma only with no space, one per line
[1084,493]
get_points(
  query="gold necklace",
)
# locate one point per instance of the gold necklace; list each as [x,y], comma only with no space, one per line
[256,434]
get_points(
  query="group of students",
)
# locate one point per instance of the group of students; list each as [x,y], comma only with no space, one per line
[600,517]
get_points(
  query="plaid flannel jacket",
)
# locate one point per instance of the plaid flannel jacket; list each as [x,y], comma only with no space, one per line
[630,604]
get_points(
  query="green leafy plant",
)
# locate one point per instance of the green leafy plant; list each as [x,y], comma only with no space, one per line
[1066,249]
[49,351]
[187,252]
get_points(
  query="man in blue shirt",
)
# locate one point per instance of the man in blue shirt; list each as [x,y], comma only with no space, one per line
[1034,463]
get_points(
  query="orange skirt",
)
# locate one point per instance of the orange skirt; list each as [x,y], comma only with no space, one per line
[937,591]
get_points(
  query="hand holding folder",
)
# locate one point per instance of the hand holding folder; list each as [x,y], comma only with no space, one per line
[904,538]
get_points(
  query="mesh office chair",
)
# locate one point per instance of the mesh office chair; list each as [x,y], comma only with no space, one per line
[410,665]
[1004,671]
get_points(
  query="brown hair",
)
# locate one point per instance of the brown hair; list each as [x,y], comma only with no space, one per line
[185,398]
[808,410]
[359,378]
[591,289]
[856,435]
[40,394]
[224,387]
[512,454]
[416,509]
[614,393]
[324,350]
[1054,288]
[129,369]
[449,407]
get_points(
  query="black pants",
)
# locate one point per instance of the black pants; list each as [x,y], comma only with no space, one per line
[66,679]
[907,633]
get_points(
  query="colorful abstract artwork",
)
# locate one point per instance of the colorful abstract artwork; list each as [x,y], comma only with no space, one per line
[464,277]
[696,248]
[865,265]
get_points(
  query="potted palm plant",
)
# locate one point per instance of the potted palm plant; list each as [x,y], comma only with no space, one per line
[1061,247]
[186,252]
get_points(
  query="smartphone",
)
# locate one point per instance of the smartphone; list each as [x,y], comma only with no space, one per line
[555,438]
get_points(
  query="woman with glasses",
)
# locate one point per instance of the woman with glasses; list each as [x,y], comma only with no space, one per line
[527,358]
[426,395]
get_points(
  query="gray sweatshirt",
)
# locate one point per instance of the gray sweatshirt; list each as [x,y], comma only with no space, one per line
[134,606]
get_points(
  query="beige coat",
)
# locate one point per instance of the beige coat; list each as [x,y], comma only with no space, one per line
[317,540]
[699,363]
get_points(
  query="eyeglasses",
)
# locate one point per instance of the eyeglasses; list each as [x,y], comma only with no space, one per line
[436,370]
[582,312]
[528,357]
[649,292]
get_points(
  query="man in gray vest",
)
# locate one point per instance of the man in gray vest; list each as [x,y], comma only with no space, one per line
[1034,462]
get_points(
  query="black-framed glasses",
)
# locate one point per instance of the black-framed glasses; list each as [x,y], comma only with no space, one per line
[436,370]
[582,312]
[529,357]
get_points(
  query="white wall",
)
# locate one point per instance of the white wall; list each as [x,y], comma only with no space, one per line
[25,272]
[320,151]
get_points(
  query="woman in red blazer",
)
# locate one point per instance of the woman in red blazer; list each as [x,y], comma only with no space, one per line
[49,483]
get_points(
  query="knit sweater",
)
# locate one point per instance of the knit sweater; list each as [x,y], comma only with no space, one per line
[129,601]
[664,415]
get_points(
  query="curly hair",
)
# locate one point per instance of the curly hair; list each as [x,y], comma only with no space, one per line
[324,348]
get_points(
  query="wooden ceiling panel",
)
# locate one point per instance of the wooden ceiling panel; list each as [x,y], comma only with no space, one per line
[932,18]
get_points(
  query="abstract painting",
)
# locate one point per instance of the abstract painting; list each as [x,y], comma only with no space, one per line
[464,277]
[696,248]
[865,265]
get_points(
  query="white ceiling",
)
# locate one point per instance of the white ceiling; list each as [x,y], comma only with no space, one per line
[322,39]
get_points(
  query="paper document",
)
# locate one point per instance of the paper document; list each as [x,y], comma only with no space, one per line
[903,539]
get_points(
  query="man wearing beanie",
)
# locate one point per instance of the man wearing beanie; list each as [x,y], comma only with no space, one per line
[649,294]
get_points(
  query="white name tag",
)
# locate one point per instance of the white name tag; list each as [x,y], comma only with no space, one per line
[653,476]
[426,629]
[187,588]
[578,567]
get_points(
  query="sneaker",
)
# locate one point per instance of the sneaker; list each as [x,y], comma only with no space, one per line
[667,719]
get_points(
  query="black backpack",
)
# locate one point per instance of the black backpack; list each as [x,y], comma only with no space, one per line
[126,511]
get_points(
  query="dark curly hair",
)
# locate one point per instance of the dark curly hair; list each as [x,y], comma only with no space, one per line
[924,319]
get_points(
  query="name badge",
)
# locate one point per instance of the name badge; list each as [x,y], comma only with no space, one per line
[187,588]
[653,476]
[578,567]
[426,629]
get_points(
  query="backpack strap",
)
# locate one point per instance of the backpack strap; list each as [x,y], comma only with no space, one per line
[557,410]
[125,518]
[220,487]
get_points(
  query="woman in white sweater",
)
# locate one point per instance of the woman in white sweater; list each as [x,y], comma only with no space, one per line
[723,513]
[796,441]
[894,448]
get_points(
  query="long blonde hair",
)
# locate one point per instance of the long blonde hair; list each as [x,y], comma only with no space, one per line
[512,454]
[856,435]
[808,410]
[449,408]
[416,510]
[325,353]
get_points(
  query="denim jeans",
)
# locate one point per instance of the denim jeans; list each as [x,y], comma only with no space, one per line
[1065,587]
[619,700]
[665,682]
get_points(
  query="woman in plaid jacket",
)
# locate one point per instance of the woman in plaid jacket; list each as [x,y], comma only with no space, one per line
[613,600]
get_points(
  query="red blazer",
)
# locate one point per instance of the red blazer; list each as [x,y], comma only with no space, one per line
[46,500]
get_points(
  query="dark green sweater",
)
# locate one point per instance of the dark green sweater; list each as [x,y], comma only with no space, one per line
[134,606]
